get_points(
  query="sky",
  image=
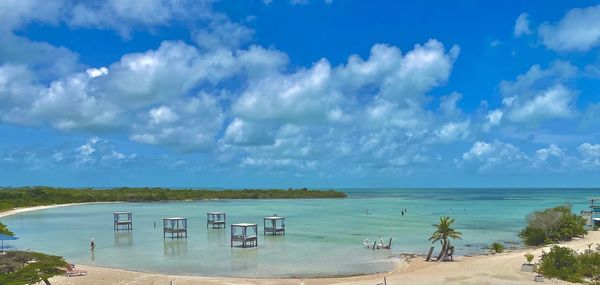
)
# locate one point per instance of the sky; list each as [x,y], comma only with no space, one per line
[300,93]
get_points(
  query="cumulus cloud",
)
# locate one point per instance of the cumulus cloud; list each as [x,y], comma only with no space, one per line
[16,13]
[453,131]
[540,94]
[324,93]
[522,25]
[172,69]
[163,126]
[555,102]
[488,156]
[92,153]
[502,157]
[123,16]
[590,154]
[589,150]
[493,118]
[544,154]
[578,30]
[222,33]
[448,104]
[240,132]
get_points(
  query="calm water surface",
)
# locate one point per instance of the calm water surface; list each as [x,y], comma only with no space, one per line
[324,236]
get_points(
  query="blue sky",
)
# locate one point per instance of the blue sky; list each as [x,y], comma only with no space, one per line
[300,93]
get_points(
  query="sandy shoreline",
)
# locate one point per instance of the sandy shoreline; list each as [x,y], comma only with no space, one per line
[491,269]
[36,208]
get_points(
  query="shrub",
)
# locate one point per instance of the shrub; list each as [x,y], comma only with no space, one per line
[533,236]
[561,263]
[590,265]
[529,257]
[552,225]
[497,248]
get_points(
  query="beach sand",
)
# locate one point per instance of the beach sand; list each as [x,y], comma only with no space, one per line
[502,268]
[29,209]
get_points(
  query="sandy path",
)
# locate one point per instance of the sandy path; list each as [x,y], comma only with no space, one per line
[492,269]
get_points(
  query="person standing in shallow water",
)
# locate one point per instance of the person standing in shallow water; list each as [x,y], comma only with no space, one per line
[92,244]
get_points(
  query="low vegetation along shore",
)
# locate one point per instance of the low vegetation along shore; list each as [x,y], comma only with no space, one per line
[11,198]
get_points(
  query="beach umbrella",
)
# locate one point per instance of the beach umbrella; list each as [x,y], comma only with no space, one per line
[6,237]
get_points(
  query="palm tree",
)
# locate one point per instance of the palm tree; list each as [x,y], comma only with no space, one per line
[443,233]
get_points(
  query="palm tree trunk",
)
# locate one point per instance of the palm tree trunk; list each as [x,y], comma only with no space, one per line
[46,282]
[444,250]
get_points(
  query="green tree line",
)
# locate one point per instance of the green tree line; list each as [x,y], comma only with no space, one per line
[11,198]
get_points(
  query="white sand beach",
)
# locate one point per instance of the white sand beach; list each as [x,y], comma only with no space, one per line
[30,209]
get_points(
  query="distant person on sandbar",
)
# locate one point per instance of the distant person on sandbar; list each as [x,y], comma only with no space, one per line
[92,244]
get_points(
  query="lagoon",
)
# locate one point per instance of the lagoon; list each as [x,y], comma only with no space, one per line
[323,236]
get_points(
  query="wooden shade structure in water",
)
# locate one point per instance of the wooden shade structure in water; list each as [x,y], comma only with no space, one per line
[123,221]
[274,225]
[215,220]
[177,227]
[244,234]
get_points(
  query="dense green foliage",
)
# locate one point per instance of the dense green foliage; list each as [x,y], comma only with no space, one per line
[39,196]
[561,263]
[497,248]
[566,264]
[5,231]
[20,267]
[443,233]
[552,225]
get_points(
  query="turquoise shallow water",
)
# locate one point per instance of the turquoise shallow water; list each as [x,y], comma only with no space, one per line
[324,236]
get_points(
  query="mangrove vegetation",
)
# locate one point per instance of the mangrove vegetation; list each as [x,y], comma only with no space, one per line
[11,198]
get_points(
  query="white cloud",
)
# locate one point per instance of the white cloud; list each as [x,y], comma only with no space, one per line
[49,62]
[590,154]
[16,13]
[555,102]
[162,115]
[162,126]
[497,154]
[522,25]
[553,158]
[123,16]
[173,69]
[453,131]
[494,118]
[240,132]
[448,104]
[304,96]
[85,111]
[85,151]
[589,150]
[578,30]
[552,151]
[222,33]
[96,72]
[540,94]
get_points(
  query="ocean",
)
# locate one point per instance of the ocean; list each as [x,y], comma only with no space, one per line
[324,237]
